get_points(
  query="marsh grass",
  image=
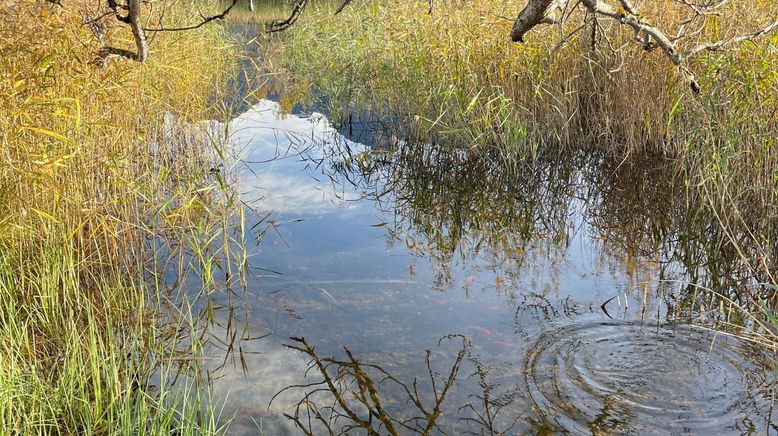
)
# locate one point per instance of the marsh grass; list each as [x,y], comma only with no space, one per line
[458,79]
[106,185]
[457,74]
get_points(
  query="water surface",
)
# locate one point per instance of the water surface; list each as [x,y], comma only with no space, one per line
[540,299]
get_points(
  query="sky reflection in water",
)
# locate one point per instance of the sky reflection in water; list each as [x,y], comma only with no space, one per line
[388,261]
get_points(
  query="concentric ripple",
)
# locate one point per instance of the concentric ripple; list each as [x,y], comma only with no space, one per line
[628,377]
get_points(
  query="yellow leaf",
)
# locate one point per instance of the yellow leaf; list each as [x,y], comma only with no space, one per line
[48,132]
[45,215]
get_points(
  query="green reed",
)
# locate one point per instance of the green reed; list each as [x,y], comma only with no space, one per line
[107,187]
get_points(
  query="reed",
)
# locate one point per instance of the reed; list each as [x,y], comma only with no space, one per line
[461,79]
[99,191]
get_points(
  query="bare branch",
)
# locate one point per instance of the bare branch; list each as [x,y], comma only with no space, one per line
[133,18]
[346,3]
[600,7]
[627,5]
[716,45]
[203,22]
[533,14]
[137,31]
[277,26]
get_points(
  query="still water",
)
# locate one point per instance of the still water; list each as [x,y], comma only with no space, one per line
[408,289]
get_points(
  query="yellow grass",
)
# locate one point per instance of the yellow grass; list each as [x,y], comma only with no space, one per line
[90,173]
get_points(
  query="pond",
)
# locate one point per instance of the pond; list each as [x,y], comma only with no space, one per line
[408,288]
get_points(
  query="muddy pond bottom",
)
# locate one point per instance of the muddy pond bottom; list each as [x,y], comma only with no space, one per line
[411,289]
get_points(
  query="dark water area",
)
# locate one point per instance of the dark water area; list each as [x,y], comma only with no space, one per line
[411,288]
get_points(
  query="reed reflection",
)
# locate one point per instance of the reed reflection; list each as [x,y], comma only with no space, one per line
[459,205]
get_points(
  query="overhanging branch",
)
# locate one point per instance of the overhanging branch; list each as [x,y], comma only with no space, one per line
[277,26]
[538,12]
[203,22]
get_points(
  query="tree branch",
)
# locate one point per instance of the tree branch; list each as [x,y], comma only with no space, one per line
[277,26]
[346,3]
[716,45]
[141,45]
[533,14]
[538,12]
[133,19]
[205,20]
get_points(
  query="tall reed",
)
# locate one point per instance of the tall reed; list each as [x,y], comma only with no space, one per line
[97,188]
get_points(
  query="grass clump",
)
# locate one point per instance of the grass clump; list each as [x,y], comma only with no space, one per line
[462,80]
[93,177]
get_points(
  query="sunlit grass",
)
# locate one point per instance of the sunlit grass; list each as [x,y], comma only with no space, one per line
[103,177]
[458,76]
